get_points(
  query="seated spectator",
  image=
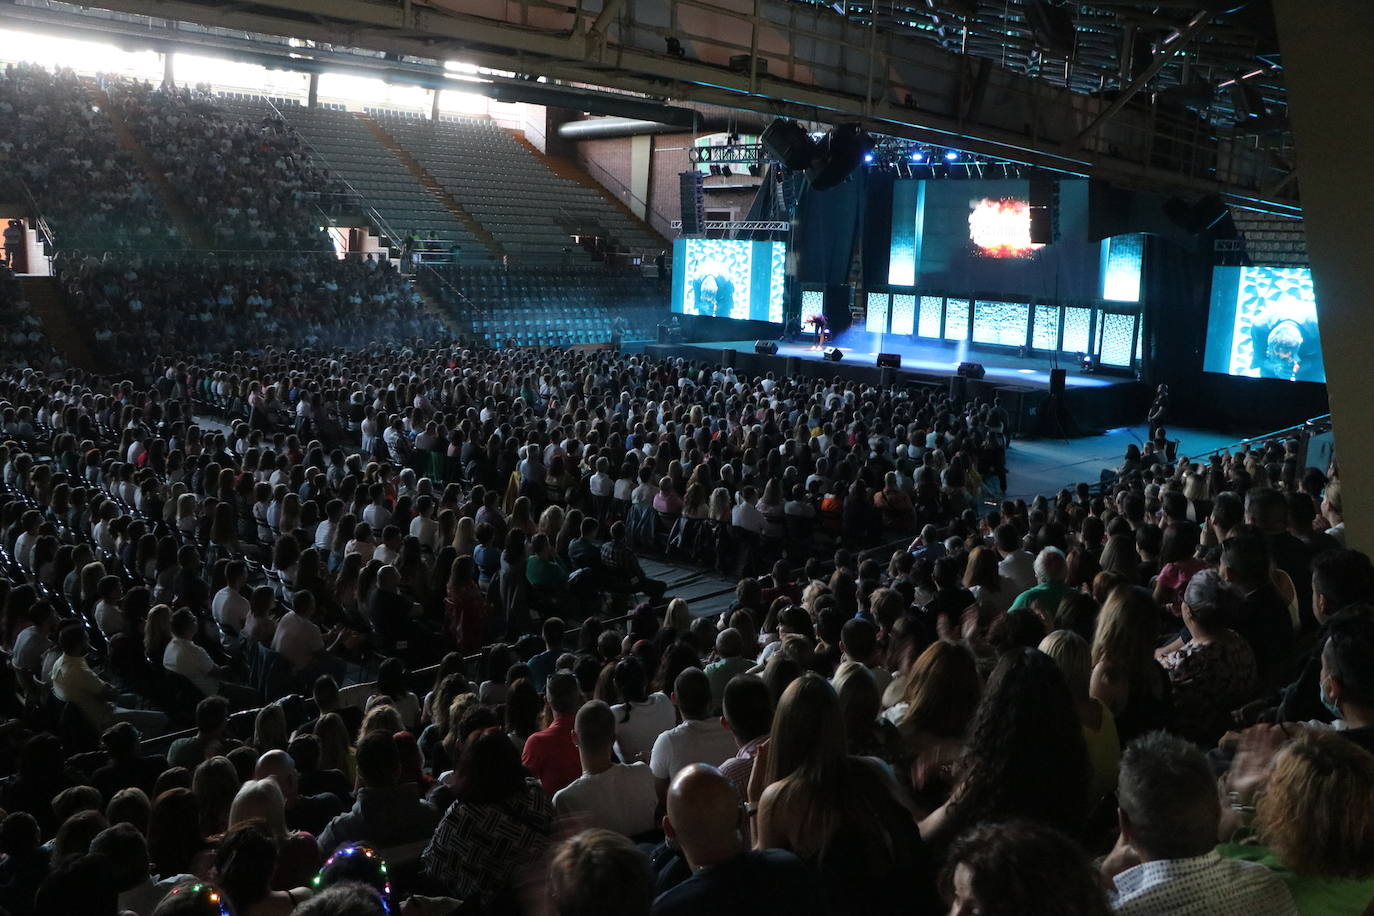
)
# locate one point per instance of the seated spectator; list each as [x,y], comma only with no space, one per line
[622,570]
[298,858]
[1262,617]
[126,766]
[1074,658]
[298,639]
[704,821]
[641,716]
[583,552]
[1051,571]
[1020,868]
[388,813]
[23,862]
[307,813]
[229,607]
[1165,857]
[1214,672]
[701,738]
[730,661]
[74,682]
[1321,851]
[600,873]
[1347,690]
[748,706]
[542,664]
[500,821]
[841,813]
[1126,677]
[182,656]
[608,795]
[212,715]
[392,690]
[246,858]
[551,754]
[123,846]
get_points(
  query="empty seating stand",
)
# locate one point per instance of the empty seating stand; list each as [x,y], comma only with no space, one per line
[351,151]
[548,307]
[532,212]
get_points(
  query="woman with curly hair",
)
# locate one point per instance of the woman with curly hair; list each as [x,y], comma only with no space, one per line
[1025,756]
[1021,868]
[1314,826]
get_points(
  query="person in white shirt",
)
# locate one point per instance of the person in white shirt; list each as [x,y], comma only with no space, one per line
[601,483]
[109,616]
[612,796]
[229,607]
[701,738]
[298,639]
[324,534]
[182,656]
[376,514]
[1165,860]
[747,516]
[1016,564]
[390,549]
[28,539]
[423,526]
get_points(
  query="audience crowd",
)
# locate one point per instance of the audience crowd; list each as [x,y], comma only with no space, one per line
[251,185]
[65,151]
[1150,698]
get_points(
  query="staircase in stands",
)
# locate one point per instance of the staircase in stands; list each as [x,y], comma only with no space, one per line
[430,184]
[69,336]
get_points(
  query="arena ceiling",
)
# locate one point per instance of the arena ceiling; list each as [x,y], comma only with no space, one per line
[1165,95]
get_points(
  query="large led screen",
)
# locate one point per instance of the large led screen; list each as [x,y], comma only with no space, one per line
[726,278]
[1262,323]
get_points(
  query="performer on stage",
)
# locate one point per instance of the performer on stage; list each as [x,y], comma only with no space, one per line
[822,329]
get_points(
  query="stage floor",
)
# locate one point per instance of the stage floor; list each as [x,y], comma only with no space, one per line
[929,360]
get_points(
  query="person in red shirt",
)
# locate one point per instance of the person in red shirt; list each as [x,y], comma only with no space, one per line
[551,755]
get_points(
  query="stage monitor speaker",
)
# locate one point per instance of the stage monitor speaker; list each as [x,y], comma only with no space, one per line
[1057,379]
[693,201]
[766,347]
[793,366]
[971,370]
[789,143]
[833,354]
[727,358]
[889,360]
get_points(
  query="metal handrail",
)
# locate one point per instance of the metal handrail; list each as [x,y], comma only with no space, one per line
[618,187]
[1296,428]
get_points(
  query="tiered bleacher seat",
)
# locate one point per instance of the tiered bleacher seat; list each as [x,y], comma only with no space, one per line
[530,210]
[353,153]
[545,307]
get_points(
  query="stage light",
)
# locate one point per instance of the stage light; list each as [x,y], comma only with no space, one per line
[918,156]
[1086,362]
[868,157]
[951,155]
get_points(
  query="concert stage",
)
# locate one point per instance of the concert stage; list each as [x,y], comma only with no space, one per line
[1093,402]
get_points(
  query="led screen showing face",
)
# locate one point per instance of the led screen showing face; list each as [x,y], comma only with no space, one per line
[728,278]
[1262,323]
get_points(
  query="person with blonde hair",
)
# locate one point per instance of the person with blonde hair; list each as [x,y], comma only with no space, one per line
[1314,825]
[1073,655]
[678,617]
[941,697]
[1125,675]
[298,855]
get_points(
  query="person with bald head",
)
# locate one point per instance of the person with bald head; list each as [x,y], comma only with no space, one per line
[707,821]
[310,813]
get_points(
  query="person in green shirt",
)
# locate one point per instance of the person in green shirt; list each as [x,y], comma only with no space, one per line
[1314,819]
[543,568]
[1051,571]
[729,662]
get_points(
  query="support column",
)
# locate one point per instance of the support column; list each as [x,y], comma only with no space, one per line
[1328,71]
[312,95]
[434,106]
[168,73]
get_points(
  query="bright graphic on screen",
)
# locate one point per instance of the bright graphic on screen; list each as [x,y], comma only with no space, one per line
[1262,323]
[1000,228]
[726,278]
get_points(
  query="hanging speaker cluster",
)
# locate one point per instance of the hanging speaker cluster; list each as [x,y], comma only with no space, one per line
[827,161]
